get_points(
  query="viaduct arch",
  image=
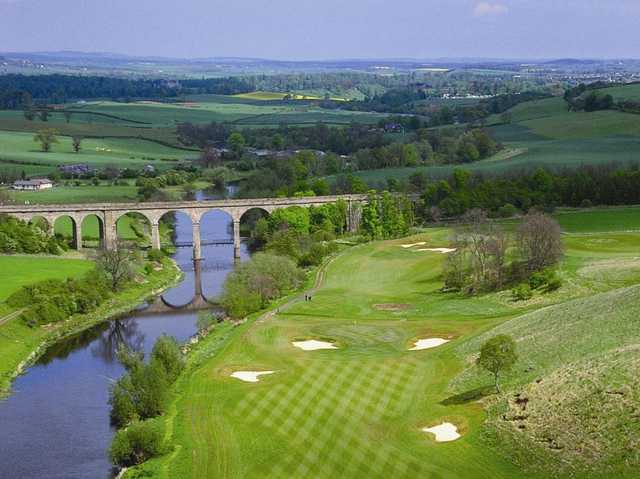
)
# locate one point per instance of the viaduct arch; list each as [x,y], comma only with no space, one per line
[109,213]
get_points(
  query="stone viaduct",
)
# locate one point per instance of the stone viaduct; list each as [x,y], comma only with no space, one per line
[109,213]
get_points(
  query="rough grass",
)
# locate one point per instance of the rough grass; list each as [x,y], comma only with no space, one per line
[573,395]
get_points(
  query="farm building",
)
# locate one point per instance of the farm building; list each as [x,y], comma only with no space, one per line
[33,185]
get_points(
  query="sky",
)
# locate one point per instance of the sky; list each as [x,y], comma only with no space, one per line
[326,29]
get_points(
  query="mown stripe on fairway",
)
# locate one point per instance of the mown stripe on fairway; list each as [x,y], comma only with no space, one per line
[322,413]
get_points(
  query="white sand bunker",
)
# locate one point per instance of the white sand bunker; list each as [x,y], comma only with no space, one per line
[428,343]
[438,250]
[444,432]
[249,376]
[412,245]
[313,344]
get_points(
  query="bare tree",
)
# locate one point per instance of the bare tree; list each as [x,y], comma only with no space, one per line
[539,241]
[478,262]
[210,157]
[67,115]
[117,265]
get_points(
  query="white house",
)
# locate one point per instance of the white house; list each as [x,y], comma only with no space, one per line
[33,185]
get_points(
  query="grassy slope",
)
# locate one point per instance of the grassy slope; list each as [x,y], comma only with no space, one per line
[356,412]
[16,339]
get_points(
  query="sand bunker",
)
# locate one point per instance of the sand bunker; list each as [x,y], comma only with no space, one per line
[249,376]
[312,345]
[421,344]
[412,245]
[438,250]
[444,432]
[392,306]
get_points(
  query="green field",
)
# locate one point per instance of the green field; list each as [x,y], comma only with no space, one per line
[78,194]
[18,148]
[17,271]
[544,133]
[138,133]
[357,411]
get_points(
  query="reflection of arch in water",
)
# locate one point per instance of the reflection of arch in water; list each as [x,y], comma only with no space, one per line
[199,301]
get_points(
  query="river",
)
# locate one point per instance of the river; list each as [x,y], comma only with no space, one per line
[55,424]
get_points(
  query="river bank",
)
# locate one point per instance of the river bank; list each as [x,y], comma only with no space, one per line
[35,341]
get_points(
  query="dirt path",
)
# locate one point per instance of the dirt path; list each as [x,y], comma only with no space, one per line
[10,316]
[320,275]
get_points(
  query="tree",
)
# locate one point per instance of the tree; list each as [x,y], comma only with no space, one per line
[371,224]
[210,157]
[46,137]
[67,115]
[29,114]
[236,143]
[117,265]
[77,143]
[539,241]
[498,355]
[44,114]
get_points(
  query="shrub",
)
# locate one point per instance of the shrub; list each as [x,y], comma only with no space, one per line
[521,292]
[586,203]
[507,211]
[537,280]
[553,284]
[139,442]
[546,280]
[167,352]
[155,255]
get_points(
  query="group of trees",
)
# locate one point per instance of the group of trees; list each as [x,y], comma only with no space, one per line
[140,395]
[17,236]
[504,195]
[22,91]
[386,216]
[254,283]
[56,300]
[486,258]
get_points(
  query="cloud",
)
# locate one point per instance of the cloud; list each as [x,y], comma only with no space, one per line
[484,9]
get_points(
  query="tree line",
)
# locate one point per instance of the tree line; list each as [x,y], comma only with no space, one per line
[21,91]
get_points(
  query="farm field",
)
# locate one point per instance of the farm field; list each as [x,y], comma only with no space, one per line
[543,133]
[19,150]
[78,194]
[358,410]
